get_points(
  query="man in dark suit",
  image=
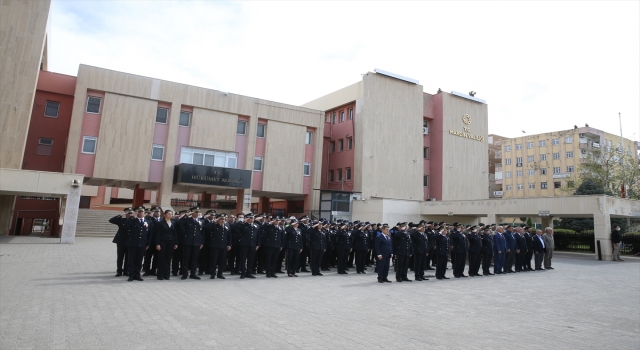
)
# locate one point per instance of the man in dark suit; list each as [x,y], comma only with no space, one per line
[509,256]
[487,252]
[150,265]
[499,247]
[249,243]
[403,249]
[120,239]
[343,247]
[360,246]
[420,249]
[521,248]
[475,250]
[528,237]
[538,250]
[234,253]
[431,242]
[384,249]
[303,225]
[442,252]
[165,238]
[317,247]
[176,263]
[294,247]
[138,241]
[459,249]
[272,240]
[192,241]
[218,242]
[203,256]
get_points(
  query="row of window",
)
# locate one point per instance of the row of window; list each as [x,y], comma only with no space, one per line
[541,143]
[542,157]
[334,114]
[338,173]
[341,145]
[543,171]
[532,186]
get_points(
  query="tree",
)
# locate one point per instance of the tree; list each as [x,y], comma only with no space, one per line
[589,186]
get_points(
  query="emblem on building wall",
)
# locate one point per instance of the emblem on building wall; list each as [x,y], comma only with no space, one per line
[466,119]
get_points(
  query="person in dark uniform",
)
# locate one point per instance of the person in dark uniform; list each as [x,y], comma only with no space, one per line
[165,239]
[272,244]
[294,247]
[538,250]
[234,253]
[150,264]
[442,251]
[343,247]
[120,239]
[528,237]
[283,252]
[475,251]
[249,243]
[458,248]
[259,264]
[384,249]
[218,243]
[370,259]
[420,249]
[326,257]
[192,241]
[176,263]
[138,241]
[521,248]
[203,256]
[487,252]
[304,227]
[509,256]
[403,250]
[431,245]
[317,247]
[360,246]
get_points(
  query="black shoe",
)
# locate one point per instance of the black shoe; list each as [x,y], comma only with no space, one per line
[146,274]
[551,268]
[212,277]
[194,277]
[363,271]
[294,275]
[268,276]
[273,275]
[445,278]
[359,272]
[464,276]
[242,276]
[118,274]
[397,280]
[138,278]
[261,272]
[250,276]
[406,280]
[233,273]
[160,278]
[175,274]
[200,273]
[125,273]
[290,275]
[130,279]
[305,270]
[221,277]
[439,278]
[280,271]
[166,278]
[184,277]
[379,281]
[417,279]
[387,281]
[424,279]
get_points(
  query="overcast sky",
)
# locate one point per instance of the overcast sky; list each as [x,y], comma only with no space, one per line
[541,66]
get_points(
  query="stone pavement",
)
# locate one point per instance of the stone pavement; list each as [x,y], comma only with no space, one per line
[65,297]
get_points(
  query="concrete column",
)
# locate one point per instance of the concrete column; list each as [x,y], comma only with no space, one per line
[547,221]
[69,215]
[263,205]
[6,213]
[602,233]
[240,201]
[206,200]
[107,195]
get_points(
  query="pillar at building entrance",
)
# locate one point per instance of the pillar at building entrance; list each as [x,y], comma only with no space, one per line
[138,196]
[547,221]
[602,233]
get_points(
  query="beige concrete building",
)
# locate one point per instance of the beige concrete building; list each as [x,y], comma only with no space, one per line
[541,165]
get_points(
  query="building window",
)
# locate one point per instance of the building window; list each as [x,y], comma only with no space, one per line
[568,139]
[309,138]
[425,153]
[519,173]
[498,175]
[93,105]
[51,109]
[425,181]
[162,115]
[520,187]
[307,169]
[89,144]
[157,152]
[530,159]
[570,168]
[557,184]
[185,118]
[508,174]
[555,141]
[333,146]
[262,130]
[347,174]
[556,170]
[340,145]
[543,171]
[207,157]
[341,116]
[333,118]
[529,144]
[349,143]
[508,187]
[542,143]
[543,185]
[518,161]
[569,154]
[326,118]
[507,148]
[543,157]
[350,113]
[257,163]
[242,127]
[532,172]
[532,186]
[556,155]
[330,175]
[339,175]
[507,161]
[44,146]
[518,146]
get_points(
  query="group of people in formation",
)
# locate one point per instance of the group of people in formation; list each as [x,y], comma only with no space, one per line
[192,244]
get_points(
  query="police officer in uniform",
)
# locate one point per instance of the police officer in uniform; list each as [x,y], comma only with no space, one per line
[234,253]
[420,248]
[402,249]
[218,242]
[528,237]
[272,244]
[521,248]
[165,240]
[294,247]
[487,251]
[249,243]
[475,251]
[176,263]
[458,248]
[120,239]
[304,227]
[203,256]
[192,241]
[150,255]
[431,244]
[317,247]
[360,246]
[138,241]
[343,247]
[283,252]
[442,251]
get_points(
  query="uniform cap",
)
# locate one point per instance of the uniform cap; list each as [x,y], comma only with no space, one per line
[248,215]
[128,210]
[210,212]
[182,211]
[194,209]
[140,208]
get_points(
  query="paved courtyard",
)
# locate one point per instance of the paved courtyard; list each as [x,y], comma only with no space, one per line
[65,296]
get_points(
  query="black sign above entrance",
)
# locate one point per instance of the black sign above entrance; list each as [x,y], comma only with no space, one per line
[211,176]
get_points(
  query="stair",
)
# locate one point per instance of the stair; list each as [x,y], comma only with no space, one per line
[95,223]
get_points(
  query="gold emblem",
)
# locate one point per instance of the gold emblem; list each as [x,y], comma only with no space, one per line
[466,119]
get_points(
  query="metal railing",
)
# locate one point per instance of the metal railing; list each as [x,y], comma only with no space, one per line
[574,241]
